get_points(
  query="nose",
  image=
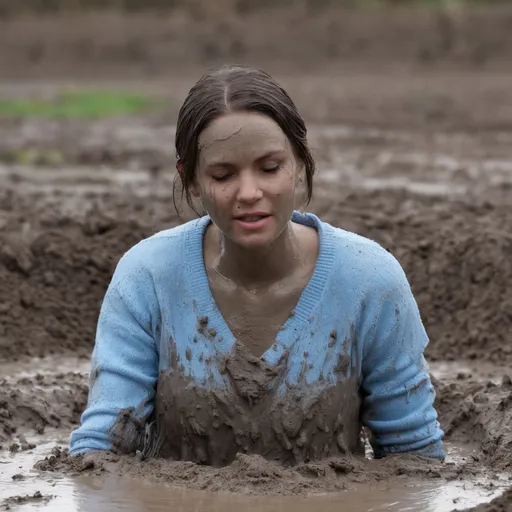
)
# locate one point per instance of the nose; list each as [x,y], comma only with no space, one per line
[249,190]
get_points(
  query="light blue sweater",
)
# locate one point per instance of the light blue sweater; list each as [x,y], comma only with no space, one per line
[357,289]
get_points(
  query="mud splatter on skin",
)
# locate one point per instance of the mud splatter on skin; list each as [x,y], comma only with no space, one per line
[211,424]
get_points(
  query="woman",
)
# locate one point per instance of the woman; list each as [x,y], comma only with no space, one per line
[256,328]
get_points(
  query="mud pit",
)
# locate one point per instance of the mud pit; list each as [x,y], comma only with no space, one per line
[439,201]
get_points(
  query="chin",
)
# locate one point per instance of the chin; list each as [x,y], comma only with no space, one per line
[253,241]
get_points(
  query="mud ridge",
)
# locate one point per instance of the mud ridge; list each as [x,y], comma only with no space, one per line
[470,411]
[55,265]
[34,403]
[248,474]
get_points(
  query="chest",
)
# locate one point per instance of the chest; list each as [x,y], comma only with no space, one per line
[254,411]
[256,316]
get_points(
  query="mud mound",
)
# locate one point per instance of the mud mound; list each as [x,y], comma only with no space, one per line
[470,411]
[55,266]
[17,501]
[41,401]
[248,474]
[457,258]
[54,271]
[476,412]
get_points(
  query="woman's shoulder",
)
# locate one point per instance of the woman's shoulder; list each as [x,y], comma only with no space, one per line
[365,260]
[165,250]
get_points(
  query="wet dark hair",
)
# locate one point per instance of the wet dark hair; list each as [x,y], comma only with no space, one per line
[236,89]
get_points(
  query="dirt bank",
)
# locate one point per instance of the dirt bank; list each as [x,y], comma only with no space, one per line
[34,403]
[55,266]
[156,43]
[55,269]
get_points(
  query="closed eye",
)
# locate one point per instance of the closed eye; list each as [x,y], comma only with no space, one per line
[271,168]
[221,177]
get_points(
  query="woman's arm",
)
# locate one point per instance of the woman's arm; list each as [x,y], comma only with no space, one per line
[398,395]
[124,367]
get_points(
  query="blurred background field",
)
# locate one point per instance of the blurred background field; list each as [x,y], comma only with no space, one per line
[155,38]
[240,6]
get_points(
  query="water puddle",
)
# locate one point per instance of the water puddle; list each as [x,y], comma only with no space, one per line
[113,493]
[124,494]
[481,371]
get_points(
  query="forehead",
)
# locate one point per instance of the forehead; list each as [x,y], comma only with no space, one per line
[232,135]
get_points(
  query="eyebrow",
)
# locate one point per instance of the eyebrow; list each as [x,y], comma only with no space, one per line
[268,154]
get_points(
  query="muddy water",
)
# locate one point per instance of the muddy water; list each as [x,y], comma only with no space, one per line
[115,493]
[459,483]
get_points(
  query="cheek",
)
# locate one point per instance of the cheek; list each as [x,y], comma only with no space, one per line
[215,196]
[288,183]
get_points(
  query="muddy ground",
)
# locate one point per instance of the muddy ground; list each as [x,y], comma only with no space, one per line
[418,159]
[196,33]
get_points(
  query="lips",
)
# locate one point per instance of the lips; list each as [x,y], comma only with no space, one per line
[251,218]
[253,221]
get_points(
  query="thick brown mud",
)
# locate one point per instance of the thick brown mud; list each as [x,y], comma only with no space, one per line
[420,162]
[59,247]
[39,401]
[215,426]
[474,412]
[56,265]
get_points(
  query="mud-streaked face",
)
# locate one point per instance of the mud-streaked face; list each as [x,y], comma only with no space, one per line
[246,177]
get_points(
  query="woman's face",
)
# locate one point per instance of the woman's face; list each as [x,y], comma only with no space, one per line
[246,177]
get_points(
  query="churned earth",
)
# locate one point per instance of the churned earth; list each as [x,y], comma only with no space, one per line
[420,162]
[62,231]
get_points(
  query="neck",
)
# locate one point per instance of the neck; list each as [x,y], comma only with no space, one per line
[255,267]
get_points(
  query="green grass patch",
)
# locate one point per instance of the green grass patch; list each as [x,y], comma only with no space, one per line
[81,105]
[32,156]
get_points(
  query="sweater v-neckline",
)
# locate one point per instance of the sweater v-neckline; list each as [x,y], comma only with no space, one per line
[309,299]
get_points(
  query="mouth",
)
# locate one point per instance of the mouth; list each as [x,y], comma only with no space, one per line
[252,217]
[253,221]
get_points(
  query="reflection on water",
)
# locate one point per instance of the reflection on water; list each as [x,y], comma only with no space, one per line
[112,493]
[116,494]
